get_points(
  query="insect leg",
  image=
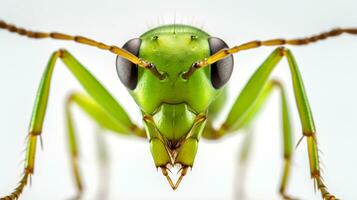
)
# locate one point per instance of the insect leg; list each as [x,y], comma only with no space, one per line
[248,118]
[249,96]
[244,155]
[92,86]
[103,119]
[286,130]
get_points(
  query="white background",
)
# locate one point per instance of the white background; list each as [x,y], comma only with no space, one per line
[329,69]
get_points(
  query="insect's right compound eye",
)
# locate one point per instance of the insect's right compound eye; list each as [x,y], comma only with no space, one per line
[128,71]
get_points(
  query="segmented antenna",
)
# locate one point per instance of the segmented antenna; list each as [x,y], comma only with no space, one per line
[274,42]
[79,39]
[87,41]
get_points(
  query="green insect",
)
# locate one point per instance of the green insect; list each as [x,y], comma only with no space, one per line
[177,76]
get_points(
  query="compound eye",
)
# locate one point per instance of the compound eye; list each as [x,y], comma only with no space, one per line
[128,71]
[221,71]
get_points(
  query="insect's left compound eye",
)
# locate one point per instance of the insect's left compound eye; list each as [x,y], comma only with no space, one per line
[221,71]
[128,71]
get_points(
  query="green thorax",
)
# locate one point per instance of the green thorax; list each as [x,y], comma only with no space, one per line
[174,102]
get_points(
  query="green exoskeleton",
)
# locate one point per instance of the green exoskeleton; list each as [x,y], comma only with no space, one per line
[177,76]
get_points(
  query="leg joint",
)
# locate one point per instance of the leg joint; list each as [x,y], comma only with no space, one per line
[309,134]
[34,133]
[61,53]
[282,50]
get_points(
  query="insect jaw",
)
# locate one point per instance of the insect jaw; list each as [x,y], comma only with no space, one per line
[169,153]
[183,171]
[167,159]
